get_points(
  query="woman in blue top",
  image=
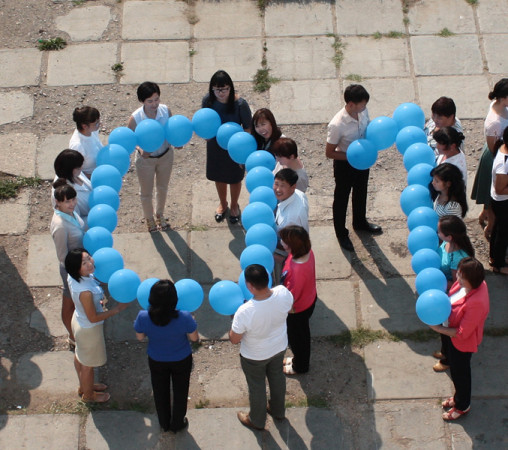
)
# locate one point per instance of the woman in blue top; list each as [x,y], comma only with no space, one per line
[169,353]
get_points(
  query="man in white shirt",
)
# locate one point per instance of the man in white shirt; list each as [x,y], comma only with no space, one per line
[348,125]
[292,207]
[259,325]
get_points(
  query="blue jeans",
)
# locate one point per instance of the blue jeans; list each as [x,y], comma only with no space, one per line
[255,374]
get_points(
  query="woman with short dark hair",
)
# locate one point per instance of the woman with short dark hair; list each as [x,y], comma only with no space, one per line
[169,353]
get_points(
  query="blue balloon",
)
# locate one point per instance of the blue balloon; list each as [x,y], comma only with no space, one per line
[240,146]
[409,114]
[433,307]
[225,297]
[430,278]
[206,122]
[96,238]
[104,195]
[143,292]
[423,215]
[264,194]
[190,294]
[382,132]
[420,174]
[123,285]
[424,259]
[103,216]
[257,212]
[247,295]
[178,130]
[361,154]
[114,155]
[260,158]
[257,254]
[261,234]
[413,197]
[408,136]
[419,154]
[125,137]
[259,176]
[150,135]
[422,237]
[107,261]
[225,132]
[107,175]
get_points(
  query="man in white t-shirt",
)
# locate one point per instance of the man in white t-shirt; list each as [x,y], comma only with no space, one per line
[259,325]
[348,125]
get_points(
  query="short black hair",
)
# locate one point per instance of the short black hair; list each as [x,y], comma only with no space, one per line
[65,163]
[256,275]
[147,89]
[444,106]
[285,147]
[288,175]
[85,115]
[356,93]
[63,190]
[73,262]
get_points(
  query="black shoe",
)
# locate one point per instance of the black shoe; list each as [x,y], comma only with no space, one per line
[235,219]
[219,217]
[346,244]
[185,425]
[368,227]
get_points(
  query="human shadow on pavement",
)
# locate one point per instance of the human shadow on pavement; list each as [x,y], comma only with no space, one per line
[18,373]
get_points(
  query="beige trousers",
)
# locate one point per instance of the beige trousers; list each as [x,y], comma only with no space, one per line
[154,171]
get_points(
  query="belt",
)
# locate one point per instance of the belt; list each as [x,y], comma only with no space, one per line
[161,155]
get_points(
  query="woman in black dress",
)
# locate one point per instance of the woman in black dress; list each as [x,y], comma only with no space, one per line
[219,166]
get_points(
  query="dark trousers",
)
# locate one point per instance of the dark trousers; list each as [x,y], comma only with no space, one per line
[460,371]
[255,374]
[348,178]
[164,374]
[299,338]
[499,236]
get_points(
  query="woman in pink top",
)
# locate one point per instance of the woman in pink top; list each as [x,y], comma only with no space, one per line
[299,276]
[463,331]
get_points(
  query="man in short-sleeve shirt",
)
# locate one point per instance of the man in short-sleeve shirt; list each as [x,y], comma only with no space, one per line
[349,124]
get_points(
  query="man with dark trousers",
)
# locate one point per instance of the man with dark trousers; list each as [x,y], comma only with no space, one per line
[349,124]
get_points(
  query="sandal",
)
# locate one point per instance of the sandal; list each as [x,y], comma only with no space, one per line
[288,361]
[97,397]
[438,355]
[288,370]
[455,413]
[151,225]
[500,270]
[448,403]
[98,387]
[161,222]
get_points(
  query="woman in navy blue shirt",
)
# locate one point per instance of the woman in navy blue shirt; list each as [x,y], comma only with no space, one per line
[169,353]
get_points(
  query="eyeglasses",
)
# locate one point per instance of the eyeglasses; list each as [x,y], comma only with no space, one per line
[220,90]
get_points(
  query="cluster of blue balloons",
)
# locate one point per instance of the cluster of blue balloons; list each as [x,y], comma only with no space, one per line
[257,217]
[406,127]
[433,306]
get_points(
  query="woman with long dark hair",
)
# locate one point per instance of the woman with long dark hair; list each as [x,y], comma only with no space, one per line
[169,353]
[220,168]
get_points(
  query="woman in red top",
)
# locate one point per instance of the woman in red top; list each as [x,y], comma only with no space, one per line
[464,331]
[299,276]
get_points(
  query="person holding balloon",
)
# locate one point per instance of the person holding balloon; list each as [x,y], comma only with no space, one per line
[499,203]
[443,115]
[220,168]
[348,125]
[88,323]
[299,276]
[265,129]
[447,181]
[495,122]
[259,326]
[463,332]
[67,230]
[68,165]
[448,144]
[169,353]
[85,138]
[152,167]
[285,151]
